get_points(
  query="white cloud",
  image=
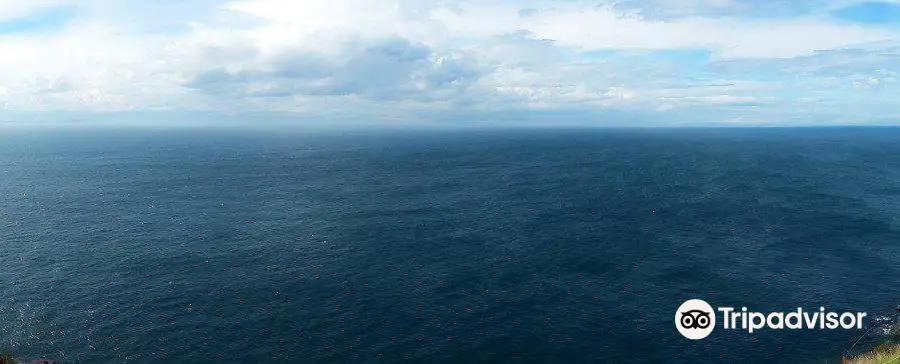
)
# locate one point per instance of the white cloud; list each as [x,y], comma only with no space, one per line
[286,55]
[16,9]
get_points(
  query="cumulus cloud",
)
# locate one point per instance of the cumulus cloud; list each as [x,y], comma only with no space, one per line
[393,56]
[388,69]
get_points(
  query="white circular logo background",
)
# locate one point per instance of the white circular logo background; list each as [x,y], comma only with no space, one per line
[695,319]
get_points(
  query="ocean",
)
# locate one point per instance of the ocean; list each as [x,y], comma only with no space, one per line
[440,246]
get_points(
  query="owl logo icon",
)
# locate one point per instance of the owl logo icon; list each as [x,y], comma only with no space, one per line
[695,319]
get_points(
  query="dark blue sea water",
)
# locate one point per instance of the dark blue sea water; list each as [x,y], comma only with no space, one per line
[439,246]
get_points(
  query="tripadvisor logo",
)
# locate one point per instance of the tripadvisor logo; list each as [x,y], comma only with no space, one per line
[696,319]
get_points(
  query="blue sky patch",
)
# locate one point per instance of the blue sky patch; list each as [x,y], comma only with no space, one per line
[47,19]
[871,13]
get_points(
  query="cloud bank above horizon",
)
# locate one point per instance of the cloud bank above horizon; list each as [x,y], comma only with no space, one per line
[648,62]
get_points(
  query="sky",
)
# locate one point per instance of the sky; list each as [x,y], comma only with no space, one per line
[468,62]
